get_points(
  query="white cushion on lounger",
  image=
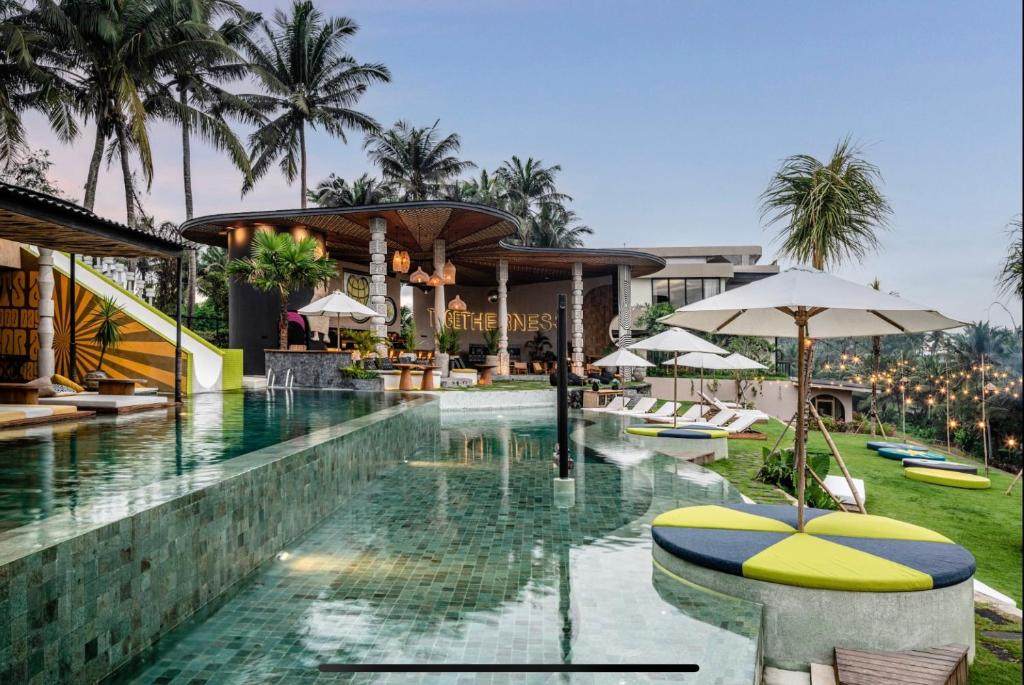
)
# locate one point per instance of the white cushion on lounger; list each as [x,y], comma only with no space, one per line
[31,411]
[86,401]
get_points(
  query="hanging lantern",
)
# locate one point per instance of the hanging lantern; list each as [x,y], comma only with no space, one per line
[448,273]
[400,262]
[419,277]
[435,280]
[457,304]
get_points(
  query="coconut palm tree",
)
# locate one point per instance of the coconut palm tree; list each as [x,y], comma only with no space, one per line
[416,159]
[528,187]
[1011,276]
[192,96]
[485,189]
[25,84]
[335,191]
[556,226]
[309,79]
[111,55]
[831,211]
[281,264]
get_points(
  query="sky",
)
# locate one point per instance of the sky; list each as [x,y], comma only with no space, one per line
[669,118]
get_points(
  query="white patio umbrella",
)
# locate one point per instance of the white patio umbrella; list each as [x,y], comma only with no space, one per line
[622,357]
[337,304]
[677,341]
[701,360]
[742,363]
[809,304]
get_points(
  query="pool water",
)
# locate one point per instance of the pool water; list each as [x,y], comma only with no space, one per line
[460,555]
[47,470]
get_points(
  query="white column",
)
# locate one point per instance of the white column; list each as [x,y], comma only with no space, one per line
[578,363]
[503,359]
[45,362]
[378,272]
[625,277]
[440,305]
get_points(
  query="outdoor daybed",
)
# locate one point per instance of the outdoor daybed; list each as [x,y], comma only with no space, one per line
[855,580]
[941,465]
[107,404]
[881,444]
[12,415]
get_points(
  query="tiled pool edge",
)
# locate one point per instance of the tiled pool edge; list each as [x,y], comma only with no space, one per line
[79,597]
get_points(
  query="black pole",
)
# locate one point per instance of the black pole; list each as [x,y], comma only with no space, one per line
[72,333]
[563,394]
[177,338]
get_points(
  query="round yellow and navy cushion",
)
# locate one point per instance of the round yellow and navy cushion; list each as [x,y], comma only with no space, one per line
[953,479]
[692,432]
[941,465]
[838,550]
[899,454]
[879,444]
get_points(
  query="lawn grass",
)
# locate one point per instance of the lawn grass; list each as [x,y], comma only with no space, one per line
[986,522]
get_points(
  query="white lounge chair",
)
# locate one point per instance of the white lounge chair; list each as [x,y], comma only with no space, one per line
[616,404]
[642,406]
[693,414]
[667,409]
[838,486]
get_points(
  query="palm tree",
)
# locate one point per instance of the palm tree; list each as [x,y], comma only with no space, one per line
[528,187]
[832,211]
[416,159]
[1011,276]
[192,97]
[309,78]
[980,339]
[111,55]
[27,85]
[109,320]
[485,189]
[335,191]
[556,226]
[281,264]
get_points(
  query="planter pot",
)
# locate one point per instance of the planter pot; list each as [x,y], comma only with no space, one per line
[491,360]
[443,364]
[92,379]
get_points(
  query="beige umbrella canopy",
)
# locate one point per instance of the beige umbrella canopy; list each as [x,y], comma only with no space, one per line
[742,363]
[806,304]
[676,341]
[622,358]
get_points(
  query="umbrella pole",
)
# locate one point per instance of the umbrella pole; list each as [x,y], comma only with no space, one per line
[801,424]
[675,390]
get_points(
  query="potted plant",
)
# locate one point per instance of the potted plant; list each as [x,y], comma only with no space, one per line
[365,343]
[537,345]
[492,337]
[281,264]
[446,343]
[109,320]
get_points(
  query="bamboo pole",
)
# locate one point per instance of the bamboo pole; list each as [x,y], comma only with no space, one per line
[785,430]
[1014,482]
[839,458]
[825,488]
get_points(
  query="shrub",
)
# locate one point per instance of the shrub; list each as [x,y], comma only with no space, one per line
[358,373]
[779,470]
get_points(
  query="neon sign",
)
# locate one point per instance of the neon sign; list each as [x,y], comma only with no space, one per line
[485,321]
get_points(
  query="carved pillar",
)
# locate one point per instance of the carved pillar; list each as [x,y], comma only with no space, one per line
[46,359]
[625,277]
[578,362]
[378,272]
[440,305]
[503,359]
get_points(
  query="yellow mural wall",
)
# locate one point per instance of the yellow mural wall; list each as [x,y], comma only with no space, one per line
[142,353]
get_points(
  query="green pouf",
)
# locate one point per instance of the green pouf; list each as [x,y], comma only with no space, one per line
[900,454]
[953,479]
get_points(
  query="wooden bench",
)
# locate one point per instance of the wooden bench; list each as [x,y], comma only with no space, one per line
[118,386]
[934,666]
[18,393]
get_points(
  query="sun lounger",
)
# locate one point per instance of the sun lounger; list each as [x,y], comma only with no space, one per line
[616,404]
[642,406]
[107,404]
[28,414]
[693,414]
[667,409]
[838,486]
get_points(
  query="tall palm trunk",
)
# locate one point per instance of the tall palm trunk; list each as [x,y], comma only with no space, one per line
[186,175]
[94,169]
[282,323]
[302,163]
[126,173]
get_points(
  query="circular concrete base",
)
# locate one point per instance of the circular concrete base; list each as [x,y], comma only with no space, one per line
[802,626]
[684,448]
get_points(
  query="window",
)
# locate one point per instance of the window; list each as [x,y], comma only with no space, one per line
[677,292]
[694,290]
[659,290]
[712,286]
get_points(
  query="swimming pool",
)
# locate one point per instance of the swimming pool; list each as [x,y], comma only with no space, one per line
[48,470]
[460,555]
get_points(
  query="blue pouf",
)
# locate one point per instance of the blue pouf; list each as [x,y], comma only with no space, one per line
[881,444]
